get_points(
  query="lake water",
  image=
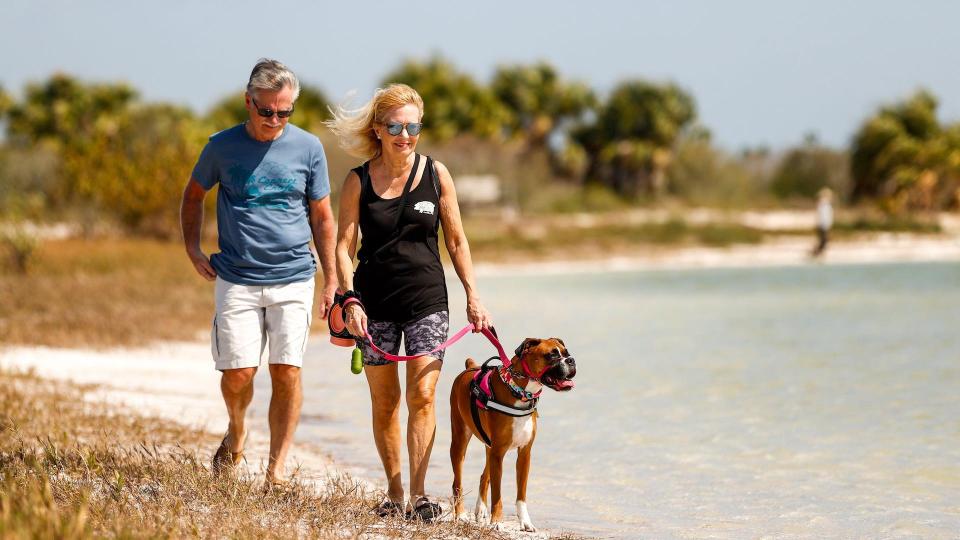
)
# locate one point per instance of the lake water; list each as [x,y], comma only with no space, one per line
[816,401]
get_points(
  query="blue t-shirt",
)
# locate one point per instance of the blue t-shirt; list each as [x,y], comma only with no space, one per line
[262,208]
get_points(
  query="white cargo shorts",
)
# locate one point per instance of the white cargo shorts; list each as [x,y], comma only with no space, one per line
[248,317]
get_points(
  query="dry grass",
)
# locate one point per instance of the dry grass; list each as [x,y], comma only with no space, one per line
[104,292]
[70,468]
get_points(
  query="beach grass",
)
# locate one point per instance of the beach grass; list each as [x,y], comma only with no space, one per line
[104,292]
[71,467]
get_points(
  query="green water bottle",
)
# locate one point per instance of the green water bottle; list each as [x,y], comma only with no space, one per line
[356,361]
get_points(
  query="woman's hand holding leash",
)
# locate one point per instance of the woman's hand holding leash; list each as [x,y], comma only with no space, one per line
[478,315]
[355,320]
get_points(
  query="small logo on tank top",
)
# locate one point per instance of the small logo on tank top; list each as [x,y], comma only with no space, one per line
[424,207]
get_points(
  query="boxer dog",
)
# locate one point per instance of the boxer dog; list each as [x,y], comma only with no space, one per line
[498,406]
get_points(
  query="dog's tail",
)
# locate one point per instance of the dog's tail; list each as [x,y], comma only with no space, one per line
[471,363]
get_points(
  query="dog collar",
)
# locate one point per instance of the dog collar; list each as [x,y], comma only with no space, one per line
[518,392]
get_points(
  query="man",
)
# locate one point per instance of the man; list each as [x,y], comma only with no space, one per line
[274,192]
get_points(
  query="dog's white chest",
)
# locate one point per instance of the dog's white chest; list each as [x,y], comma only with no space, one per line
[522,431]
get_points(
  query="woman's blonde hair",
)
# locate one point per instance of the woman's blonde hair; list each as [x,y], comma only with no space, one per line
[354,127]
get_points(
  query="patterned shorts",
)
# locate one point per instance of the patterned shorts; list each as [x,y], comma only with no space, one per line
[419,337]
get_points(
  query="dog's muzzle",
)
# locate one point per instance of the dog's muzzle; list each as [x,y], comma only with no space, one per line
[559,376]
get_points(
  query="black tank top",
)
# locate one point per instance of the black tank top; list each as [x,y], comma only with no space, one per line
[400,277]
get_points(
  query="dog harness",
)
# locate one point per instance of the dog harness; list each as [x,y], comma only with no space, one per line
[482,397]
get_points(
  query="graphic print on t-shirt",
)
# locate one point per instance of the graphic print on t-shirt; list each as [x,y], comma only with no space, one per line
[424,207]
[270,185]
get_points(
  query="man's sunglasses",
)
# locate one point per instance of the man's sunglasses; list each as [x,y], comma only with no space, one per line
[267,112]
[396,128]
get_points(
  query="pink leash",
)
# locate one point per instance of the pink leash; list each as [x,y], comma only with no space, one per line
[456,337]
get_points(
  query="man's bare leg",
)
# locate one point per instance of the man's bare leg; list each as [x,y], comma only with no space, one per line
[236,385]
[284,416]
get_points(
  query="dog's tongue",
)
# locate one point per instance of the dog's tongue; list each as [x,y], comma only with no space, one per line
[565,384]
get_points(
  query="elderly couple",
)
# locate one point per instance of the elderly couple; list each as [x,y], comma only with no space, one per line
[274,194]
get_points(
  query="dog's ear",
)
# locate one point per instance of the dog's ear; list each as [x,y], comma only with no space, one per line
[527,343]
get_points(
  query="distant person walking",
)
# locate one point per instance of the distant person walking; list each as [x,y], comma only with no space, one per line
[397,201]
[824,220]
[273,197]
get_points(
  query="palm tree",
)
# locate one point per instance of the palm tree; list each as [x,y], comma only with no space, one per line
[905,158]
[540,100]
[630,145]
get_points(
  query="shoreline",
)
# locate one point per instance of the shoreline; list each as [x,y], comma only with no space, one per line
[876,248]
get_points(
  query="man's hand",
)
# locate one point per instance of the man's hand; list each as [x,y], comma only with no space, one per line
[326,299]
[191,221]
[202,264]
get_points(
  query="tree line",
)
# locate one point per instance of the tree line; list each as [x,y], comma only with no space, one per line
[76,149]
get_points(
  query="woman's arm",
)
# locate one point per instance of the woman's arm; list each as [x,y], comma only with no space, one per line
[459,248]
[347,232]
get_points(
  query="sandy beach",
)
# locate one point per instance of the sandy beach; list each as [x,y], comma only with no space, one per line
[175,381]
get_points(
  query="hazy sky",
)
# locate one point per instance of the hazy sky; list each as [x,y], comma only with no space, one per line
[762,72]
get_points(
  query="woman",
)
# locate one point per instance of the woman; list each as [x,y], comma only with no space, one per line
[399,277]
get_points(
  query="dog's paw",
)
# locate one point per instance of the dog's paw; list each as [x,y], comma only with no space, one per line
[463,516]
[524,517]
[480,512]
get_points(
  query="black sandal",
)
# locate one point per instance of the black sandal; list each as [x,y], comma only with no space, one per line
[425,511]
[388,509]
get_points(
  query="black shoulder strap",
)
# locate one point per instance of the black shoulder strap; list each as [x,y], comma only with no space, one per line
[406,191]
[362,173]
[434,175]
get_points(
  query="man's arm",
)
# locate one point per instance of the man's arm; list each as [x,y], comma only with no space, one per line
[191,222]
[324,237]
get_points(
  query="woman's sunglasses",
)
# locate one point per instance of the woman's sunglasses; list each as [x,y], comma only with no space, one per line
[267,112]
[396,128]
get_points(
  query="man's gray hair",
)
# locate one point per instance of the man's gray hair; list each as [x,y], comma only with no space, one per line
[272,75]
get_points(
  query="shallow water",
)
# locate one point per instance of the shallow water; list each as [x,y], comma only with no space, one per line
[817,401]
